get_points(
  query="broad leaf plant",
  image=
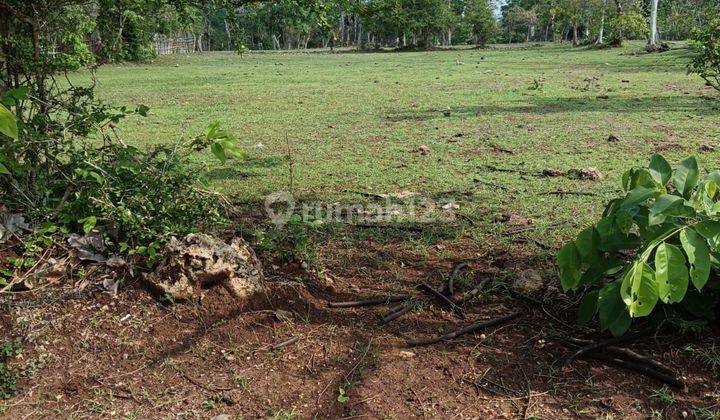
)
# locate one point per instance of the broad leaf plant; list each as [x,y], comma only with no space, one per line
[657,244]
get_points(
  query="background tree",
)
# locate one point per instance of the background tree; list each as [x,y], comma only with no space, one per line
[481,19]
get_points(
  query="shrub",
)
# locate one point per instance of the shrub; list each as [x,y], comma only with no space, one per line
[136,197]
[658,243]
[706,62]
[61,162]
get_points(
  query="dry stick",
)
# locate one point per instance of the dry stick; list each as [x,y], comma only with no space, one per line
[278,346]
[199,384]
[600,344]
[627,353]
[443,299]
[464,330]
[397,314]
[645,370]
[367,302]
[451,280]
[561,193]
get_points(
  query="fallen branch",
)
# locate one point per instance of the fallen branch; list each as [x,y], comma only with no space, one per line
[491,184]
[450,285]
[464,330]
[278,346]
[627,353]
[643,369]
[588,193]
[441,297]
[393,315]
[600,344]
[562,193]
[368,302]
[199,384]
[491,168]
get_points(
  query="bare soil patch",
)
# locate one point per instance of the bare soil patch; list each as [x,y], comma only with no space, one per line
[91,355]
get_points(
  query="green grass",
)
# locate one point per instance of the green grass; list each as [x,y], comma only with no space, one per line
[351,119]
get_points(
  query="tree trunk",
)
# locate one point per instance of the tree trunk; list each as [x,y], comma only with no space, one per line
[575,34]
[653,25]
[601,33]
[342,28]
[229,37]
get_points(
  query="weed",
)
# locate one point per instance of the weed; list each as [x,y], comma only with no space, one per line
[664,395]
[342,396]
[8,377]
[706,413]
[243,381]
[707,355]
[284,415]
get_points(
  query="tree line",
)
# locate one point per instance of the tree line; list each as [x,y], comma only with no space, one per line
[124,30]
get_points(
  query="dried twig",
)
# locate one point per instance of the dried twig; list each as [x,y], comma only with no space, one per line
[278,346]
[199,384]
[393,315]
[669,379]
[626,353]
[441,297]
[368,302]
[464,330]
[595,345]
[450,284]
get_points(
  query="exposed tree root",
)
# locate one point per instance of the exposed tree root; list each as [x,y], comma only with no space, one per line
[464,330]
[368,302]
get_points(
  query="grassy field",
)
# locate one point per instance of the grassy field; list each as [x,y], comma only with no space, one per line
[352,121]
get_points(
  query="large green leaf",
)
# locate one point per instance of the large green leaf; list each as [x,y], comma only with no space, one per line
[638,195]
[710,230]
[568,259]
[639,290]
[698,256]
[8,123]
[587,246]
[686,176]
[612,310]
[588,307]
[218,150]
[665,205]
[660,169]
[671,273]
[4,170]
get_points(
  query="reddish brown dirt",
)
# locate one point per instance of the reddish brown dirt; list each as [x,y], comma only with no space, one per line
[94,356]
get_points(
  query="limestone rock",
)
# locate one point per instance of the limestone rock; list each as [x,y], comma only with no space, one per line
[202,261]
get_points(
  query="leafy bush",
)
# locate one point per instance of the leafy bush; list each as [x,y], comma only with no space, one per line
[706,63]
[648,247]
[136,197]
[61,162]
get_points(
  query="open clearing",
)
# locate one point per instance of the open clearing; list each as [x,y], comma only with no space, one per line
[352,123]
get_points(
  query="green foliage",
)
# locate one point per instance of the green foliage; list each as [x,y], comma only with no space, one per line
[8,378]
[673,216]
[706,62]
[481,18]
[62,165]
[289,242]
[342,396]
